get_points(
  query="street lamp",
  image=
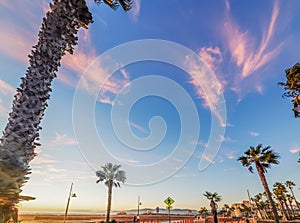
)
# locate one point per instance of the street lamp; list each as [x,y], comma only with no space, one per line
[71,194]
[139,203]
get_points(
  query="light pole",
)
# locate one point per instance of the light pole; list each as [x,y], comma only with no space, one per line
[68,202]
[139,203]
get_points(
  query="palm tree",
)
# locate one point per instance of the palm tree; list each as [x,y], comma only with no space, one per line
[290,200]
[245,210]
[257,199]
[262,158]
[279,191]
[57,36]
[214,198]
[292,87]
[203,211]
[290,185]
[111,175]
[227,210]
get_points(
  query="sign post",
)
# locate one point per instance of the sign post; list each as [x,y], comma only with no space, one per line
[169,201]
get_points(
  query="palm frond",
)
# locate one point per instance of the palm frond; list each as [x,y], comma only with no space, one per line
[126,4]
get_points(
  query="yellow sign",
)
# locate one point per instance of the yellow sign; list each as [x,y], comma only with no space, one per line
[169,201]
[169,207]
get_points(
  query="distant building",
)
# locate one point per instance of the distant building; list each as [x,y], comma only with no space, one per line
[238,207]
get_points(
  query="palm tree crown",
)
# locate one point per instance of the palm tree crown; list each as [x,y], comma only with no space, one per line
[212,196]
[111,172]
[292,87]
[263,157]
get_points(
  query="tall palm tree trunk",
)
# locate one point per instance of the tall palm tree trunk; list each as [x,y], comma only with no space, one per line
[110,185]
[288,210]
[56,37]
[214,211]
[298,205]
[267,191]
[292,209]
[259,209]
[285,215]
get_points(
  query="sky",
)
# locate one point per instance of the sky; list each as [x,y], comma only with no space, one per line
[173,91]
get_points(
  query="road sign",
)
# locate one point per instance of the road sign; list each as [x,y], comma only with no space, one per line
[169,201]
[169,207]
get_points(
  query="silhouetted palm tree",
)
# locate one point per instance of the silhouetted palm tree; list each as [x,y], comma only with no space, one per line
[279,191]
[290,200]
[111,175]
[203,212]
[262,158]
[292,87]
[257,199]
[214,198]
[290,185]
[57,36]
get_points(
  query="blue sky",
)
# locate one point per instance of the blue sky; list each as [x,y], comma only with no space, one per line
[212,80]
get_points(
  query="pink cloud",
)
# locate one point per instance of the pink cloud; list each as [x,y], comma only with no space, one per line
[63,139]
[16,44]
[213,94]
[140,128]
[87,67]
[5,3]
[212,56]
[6,96]
[135,11]
[230,154]
[295,150]
[6,89]
[245,54]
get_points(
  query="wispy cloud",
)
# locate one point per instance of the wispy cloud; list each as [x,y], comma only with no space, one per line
[247,56]
[5,3]
[42,159]
[213,94]
[255,134]
[21,34]
[226,139]
[135,11]
[6,94]
[138,127]
[295,150]
[212,56]
[14,44]
[94,76]
[230,154]
[208,158]
[63,139]
[6,89]
[200,143]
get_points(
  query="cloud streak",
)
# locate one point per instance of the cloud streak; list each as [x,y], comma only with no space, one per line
[94,76]
[248,57]
[255,134]
[213,93]
[63,139]
[6,93]
[135,11]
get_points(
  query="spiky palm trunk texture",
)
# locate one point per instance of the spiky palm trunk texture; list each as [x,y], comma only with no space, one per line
[57,36]
[267,191]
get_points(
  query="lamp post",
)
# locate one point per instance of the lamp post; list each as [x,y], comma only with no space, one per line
[139,203]
[68,202]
